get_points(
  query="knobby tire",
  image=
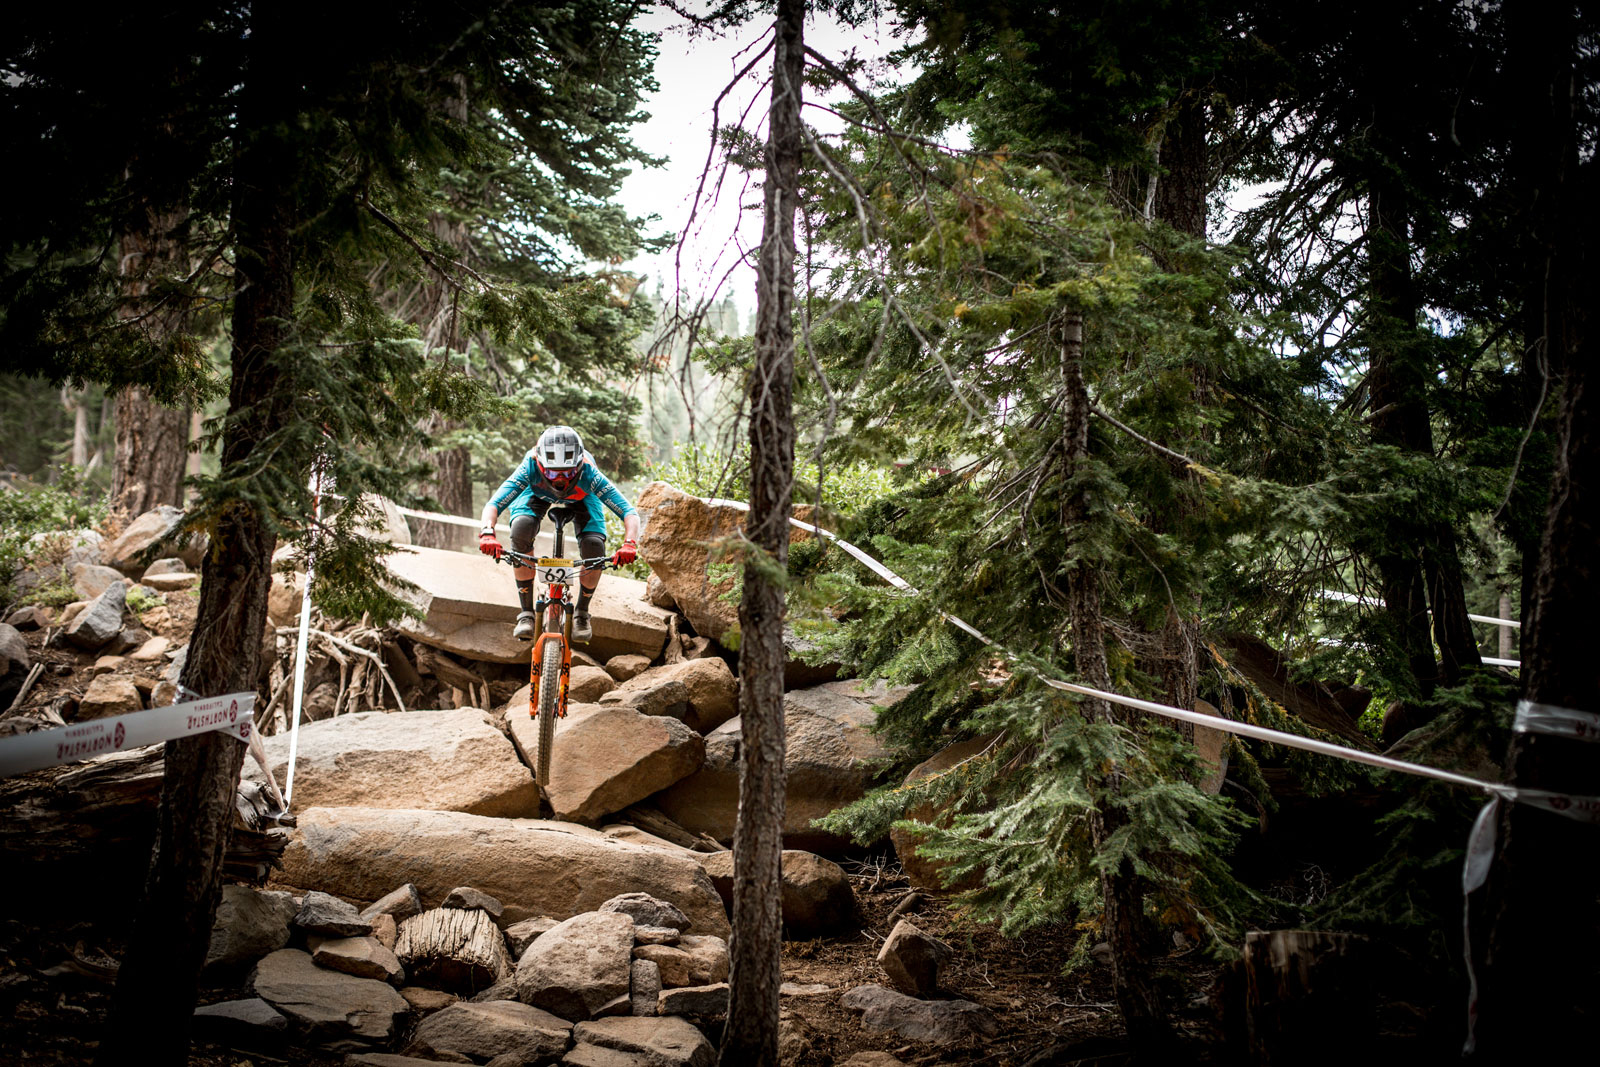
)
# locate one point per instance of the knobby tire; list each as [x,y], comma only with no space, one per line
[549,698]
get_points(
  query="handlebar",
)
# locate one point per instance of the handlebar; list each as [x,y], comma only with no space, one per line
[517,559]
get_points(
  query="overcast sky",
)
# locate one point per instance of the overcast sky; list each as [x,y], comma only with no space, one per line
[691,74]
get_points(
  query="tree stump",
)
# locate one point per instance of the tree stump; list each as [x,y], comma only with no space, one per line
[456,949]
[1307,999]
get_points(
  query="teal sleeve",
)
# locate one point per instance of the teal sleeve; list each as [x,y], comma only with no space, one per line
[511,488]
[601,487]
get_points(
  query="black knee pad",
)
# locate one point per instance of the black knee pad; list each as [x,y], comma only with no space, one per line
[523,530]
[592,545]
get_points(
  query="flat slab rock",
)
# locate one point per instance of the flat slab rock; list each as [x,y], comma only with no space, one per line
[668,1042]
[333,1007]
[535,867]
[933,1022]
[451,760]
[469,604]
[496,1028]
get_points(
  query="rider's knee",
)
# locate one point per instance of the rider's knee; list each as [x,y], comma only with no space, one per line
[592,545]
[523,530]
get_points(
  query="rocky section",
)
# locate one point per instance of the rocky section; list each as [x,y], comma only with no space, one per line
[331,1007]
[158,531]
[438,760]
[926,872]
[710,691]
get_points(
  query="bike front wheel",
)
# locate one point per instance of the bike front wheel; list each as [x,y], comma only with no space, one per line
[549,701]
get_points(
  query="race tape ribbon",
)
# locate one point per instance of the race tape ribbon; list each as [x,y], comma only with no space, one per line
[121,733]
[1553,721]
[1579,808]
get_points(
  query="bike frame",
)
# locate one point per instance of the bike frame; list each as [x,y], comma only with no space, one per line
[556,576]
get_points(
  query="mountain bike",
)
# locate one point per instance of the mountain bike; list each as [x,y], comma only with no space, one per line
[551,661]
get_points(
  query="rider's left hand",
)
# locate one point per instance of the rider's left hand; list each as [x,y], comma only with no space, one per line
[626,554]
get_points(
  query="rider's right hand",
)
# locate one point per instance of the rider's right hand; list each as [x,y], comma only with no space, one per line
[489,546]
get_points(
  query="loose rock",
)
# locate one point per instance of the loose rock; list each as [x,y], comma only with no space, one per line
[700,1000]
[100,621]
[588,684]
[626,666]
[496,1028]
[248,1023]
[644,986]
[668,1042]
[646,910]
[250,923]
[333,1007]
[109,695]
[364,957]
[325,915]
[578,966]
[465,897]
[934,1022]
[520,935]
[912,959]
[401,903]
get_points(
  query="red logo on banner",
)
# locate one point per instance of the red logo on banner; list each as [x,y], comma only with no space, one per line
[233,712]
[244,730]
[118,736]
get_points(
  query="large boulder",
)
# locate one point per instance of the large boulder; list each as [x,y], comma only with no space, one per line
[442,760]
[832,759]
[469,604]
[921,871]
[335,1008]
[712,689]
[534,867]
[616,757]
[14,657]
[817,899]
[679,531]
[579,966]
[160,528]
[912,959]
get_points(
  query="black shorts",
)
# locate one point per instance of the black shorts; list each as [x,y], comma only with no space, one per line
[525,527]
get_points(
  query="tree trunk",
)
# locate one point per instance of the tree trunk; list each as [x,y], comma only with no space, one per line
[751,1036]
[152,447]
[439,319]
[157,986]
[1419,567]
[1180,202]
[1537,977]
[1143,1016]
[152,439]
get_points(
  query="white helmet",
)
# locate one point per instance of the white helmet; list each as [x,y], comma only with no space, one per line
[559,449]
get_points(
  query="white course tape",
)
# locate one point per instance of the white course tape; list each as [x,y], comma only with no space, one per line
[1583,809]
[1536,718]
[120,733]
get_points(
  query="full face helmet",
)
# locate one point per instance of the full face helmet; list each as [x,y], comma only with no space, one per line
[559,455]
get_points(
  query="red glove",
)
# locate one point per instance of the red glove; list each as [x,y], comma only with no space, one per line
[489,546]
[626,554]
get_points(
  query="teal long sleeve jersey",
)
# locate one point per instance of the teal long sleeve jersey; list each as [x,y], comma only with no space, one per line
[527,492]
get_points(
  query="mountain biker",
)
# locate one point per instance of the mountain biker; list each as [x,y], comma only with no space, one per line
[557,472]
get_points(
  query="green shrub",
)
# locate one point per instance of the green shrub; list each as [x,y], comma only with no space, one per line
[142,598]
[67,505]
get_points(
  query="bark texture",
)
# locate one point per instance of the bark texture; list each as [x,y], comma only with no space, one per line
[157,986]
[751,1036]
[1137,997]
[152,439]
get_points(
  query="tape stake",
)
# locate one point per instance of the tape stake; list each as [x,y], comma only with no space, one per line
[1552,721]
[121,733]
